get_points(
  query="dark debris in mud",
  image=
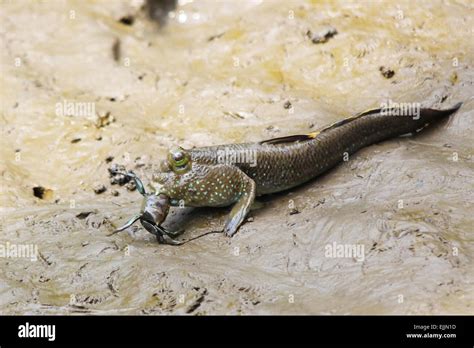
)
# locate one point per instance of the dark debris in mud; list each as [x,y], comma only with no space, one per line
[42,192]
[323,36]
[116,51]
[38,191]
[127,20]
[104,119]
[115,177]
[131,186]
[214,37]
[294,211]
[199,300]
[84,214]
[386,72]
[111,280]
[119,179]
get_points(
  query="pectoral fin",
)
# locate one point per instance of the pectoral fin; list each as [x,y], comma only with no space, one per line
[242,207]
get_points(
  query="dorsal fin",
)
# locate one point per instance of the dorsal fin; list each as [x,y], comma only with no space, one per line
[349,119]
[287,139]
[312,135]
[367,112]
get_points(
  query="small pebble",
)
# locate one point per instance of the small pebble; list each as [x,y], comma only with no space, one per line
[294,211]
[100,189]
[131,186]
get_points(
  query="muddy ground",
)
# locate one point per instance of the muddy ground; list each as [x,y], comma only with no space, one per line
[224,72]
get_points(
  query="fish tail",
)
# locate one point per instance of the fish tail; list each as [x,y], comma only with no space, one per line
[430,115]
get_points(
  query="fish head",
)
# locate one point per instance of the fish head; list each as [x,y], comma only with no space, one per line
[184,181]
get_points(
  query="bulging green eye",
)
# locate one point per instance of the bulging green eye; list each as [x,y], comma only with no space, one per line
[179,159]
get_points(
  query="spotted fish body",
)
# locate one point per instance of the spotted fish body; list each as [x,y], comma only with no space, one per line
[208,179]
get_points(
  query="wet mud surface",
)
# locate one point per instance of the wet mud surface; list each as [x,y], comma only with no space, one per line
[225,73]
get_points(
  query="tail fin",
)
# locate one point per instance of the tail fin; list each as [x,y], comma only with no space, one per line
[433,115]
[421,119]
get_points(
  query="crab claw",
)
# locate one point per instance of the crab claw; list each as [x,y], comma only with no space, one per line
[160,233]
[128,224]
